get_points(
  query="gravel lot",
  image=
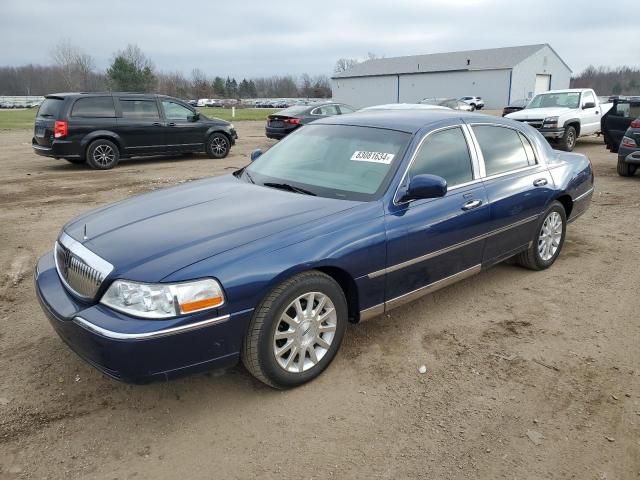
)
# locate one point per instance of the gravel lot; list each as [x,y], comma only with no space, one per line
[530,375]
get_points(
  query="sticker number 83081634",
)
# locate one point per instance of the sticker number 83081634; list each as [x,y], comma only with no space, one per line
[375,157]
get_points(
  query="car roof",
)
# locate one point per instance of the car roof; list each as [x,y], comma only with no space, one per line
[96,94]
[409,121]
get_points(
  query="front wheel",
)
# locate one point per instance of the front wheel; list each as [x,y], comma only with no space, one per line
[218,145]
[568,141]
[296,330]
[547,241]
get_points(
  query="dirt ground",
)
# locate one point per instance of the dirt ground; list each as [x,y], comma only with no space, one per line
[530,375]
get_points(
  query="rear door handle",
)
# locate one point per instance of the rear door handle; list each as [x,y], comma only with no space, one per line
[172,124]
[540,182]
[156,124]
[471,204]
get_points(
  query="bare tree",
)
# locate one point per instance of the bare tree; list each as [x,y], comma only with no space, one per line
[75,65]
[344,64]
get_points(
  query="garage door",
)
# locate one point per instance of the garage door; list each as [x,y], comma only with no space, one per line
[543,83]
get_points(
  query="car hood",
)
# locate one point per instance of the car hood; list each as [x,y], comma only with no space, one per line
[538,113]
[151,236]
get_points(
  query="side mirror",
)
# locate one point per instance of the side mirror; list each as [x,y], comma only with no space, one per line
[589,105]
[195,117]
[425,186]
[255,154]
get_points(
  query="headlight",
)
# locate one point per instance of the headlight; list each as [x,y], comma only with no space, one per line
[551,121]
[163,300]
[232,126]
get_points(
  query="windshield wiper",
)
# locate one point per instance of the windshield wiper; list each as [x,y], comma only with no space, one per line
[290,188]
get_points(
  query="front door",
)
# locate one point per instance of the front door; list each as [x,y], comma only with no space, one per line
[183,132]
[517,186]
[434,239]
[590,119]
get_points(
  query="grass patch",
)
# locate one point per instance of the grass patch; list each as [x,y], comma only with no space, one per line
[19,118]
[23,118]
[241,113]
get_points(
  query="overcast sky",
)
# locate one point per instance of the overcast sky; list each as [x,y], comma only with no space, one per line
[261,38]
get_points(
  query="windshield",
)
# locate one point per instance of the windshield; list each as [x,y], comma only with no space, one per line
[335,161]
[566,100]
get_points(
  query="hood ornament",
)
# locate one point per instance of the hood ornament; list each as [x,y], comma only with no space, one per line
[84,236]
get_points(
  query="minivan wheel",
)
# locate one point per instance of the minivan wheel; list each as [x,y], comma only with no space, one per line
[103,154]
[218,145]
[547,241]
[296,330]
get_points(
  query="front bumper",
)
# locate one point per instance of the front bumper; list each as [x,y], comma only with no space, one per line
[135,350]
[553,133]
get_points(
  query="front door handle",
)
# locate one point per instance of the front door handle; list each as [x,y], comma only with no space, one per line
[172,124]
[540,182]
[156,124]
[471,204]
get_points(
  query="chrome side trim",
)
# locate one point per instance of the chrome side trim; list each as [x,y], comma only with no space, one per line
[103,332]
[432,287]
[450,248]
[582,196]
[371,312]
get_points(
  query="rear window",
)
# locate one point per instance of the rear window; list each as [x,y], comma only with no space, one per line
[140,109]
[50,107]
[94,107]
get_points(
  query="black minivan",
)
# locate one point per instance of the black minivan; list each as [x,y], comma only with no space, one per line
[102,128]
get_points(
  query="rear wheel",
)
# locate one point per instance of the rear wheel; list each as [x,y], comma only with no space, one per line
[103,154]
[218,145]
[625,169]
[548,240]
[296,330]
[568,141]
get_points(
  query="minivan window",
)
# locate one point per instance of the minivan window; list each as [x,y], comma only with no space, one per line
[446,155]
[94,107]
[139,109]
[175,111]
[501,148]
[50,107]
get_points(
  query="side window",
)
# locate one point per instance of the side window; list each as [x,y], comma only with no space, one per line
[175,111]
[588,97]
[502,149]
[101,107]
[139,109]
[531,156]
[445,154]
[344,109]
[326,110]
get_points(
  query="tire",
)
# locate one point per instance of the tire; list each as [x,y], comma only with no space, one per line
[532,258]
[568,140]
[77,161]
[473,107]
[277,314]
[103,154]
[625,169]
[218,145]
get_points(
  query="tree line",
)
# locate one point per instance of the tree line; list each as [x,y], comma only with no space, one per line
[72,69]
[609,81]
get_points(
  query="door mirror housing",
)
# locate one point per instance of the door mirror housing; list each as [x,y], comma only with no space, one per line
[255,154]
[589,105]
[425,186]
[195,117]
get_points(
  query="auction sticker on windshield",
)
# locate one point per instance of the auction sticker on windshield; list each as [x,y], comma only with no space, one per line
[375,157]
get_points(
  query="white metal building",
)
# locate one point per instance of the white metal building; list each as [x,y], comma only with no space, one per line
[498,75]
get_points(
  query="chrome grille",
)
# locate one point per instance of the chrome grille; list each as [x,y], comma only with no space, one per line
[81,270]
[535,123]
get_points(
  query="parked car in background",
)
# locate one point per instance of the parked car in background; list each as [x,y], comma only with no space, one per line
[451,103]
[348,218]
[403,106]
[281,124]
[621,131]
[562,116]
[193,103]
[515,106]
[102,128]
[476,102]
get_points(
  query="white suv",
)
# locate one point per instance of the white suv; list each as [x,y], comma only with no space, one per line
[475,102]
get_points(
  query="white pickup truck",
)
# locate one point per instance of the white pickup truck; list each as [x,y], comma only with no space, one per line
[564,115]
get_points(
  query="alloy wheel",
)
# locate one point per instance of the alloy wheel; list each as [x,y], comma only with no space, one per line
[218,145]
[104,155]
[304,332]
[550,236]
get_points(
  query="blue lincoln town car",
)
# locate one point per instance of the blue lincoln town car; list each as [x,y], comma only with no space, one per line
[342,221]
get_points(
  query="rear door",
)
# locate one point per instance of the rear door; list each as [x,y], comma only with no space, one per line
[140,125]
[518,188]
[182,131]
[89,114]
[429,240]
[50,110]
